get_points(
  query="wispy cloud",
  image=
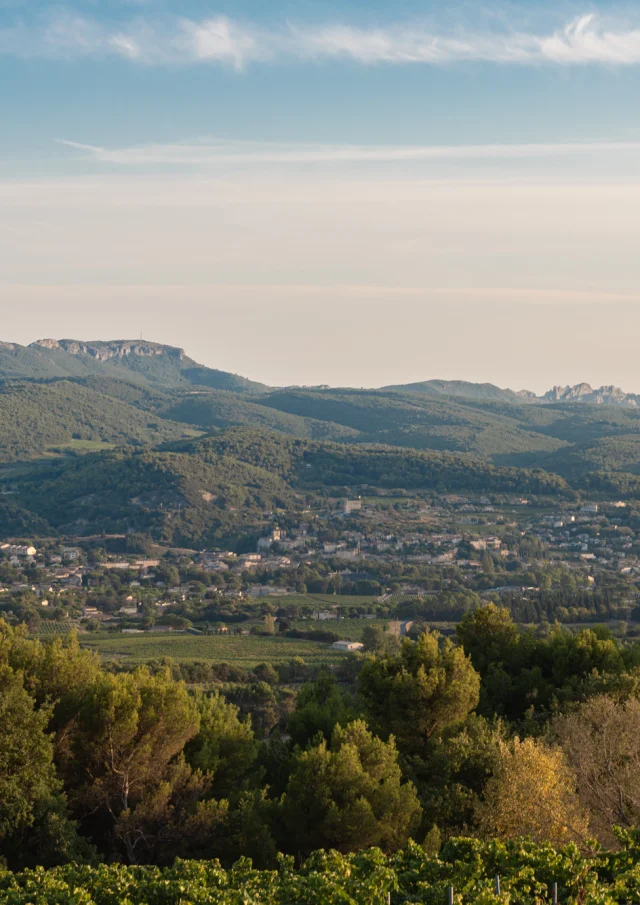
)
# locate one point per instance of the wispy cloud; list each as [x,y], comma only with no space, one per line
[213,153]
[586,39]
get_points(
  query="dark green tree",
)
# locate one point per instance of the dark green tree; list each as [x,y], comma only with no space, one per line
[128,731]
[224,747]
[348,795]
[378,641]
[320,707]
[34,824]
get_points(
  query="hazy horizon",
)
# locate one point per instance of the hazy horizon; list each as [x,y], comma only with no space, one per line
[260,368]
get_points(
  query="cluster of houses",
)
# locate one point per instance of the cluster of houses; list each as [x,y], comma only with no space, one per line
[450,530]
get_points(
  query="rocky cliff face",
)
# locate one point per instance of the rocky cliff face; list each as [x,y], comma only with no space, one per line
[585,393]
[103,351]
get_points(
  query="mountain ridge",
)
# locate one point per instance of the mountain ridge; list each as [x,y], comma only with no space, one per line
[141,362]
[65,404]
[169,367]
[582,393]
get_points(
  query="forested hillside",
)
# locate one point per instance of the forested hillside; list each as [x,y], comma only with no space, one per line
[37,417]
[330,464]
[558,437]
[463,389]
[60,393]
[173,496]
[194,491]
[219,409]
[80,413]
[84,397]
[197,491]
[418,421]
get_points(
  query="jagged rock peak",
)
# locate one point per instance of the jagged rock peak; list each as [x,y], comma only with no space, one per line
[584,392]
[117,348]
[567,393]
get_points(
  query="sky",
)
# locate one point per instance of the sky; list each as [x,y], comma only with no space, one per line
[328,191]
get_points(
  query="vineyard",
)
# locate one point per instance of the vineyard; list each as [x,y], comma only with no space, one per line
[50,629]
[244,650]
[324,601]
[465,870]
[347,628]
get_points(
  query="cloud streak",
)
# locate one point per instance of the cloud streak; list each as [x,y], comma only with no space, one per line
[206,154]
[586,39]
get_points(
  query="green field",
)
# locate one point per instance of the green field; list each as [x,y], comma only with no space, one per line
[245,650]
[88,445]
[387,500]
[326,600]
[349,629]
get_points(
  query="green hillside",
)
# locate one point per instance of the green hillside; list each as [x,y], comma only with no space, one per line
[58,395]
[566,439]
[203,491]
[26,363]
[18,521]
[418,421]
[172,495]
[316,464]
[219,409]
[563,438]
[39,417]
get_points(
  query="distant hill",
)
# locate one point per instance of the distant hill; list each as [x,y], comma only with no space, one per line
[81,415]
[68,396]
[167,367]
[219,409]
[137,361]
[487,392]
[478,391]
[422,422]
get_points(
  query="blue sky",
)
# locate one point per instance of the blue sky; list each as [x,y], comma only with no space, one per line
[401,168]
[69,77]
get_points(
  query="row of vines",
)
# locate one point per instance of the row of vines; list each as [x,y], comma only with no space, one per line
[527,875]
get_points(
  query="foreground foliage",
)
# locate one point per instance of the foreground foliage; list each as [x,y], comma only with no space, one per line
[527,873]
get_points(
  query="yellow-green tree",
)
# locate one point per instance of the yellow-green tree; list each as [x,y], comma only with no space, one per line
[532,793]
[428,686]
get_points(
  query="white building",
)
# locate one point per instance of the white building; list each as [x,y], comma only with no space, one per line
[18,549]
[347,645]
